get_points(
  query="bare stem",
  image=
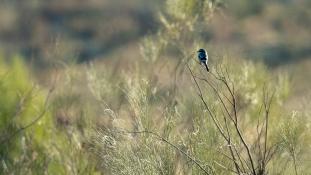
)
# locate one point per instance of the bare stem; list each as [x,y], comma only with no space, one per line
[172,145]
[37,118]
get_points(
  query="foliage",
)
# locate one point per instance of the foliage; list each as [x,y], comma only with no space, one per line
[235,130]
[176,130]
[156,116]
[30,142]
[21,103]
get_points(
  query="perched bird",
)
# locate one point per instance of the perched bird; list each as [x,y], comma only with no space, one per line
[203,58]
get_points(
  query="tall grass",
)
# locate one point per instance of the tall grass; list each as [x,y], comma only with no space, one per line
[30,140]
[163,115]
[229,121]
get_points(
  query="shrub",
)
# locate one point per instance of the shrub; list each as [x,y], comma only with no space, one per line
[30,142]
[231,120]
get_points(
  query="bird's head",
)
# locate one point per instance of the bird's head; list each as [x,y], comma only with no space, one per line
[201,50]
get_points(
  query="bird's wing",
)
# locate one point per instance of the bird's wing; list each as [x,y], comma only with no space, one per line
[201,56]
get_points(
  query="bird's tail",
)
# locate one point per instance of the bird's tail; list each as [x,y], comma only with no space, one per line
[206,67]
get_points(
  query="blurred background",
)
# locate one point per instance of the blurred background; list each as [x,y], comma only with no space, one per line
[44,32]
[110,62]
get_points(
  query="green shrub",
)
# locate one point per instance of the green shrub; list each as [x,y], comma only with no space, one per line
[30,142]
[21,103]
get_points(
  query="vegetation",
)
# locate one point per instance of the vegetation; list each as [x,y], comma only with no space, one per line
[162,114]
[31,143]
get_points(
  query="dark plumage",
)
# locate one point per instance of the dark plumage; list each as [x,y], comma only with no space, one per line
[203,58]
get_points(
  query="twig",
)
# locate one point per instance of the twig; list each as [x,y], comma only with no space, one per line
[216,122]
[169,143]
[232,93]
[39,116]
[200,94]
[234,107]
[226,168]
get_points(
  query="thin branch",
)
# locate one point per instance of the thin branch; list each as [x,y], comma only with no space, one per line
[216,122]
[39,116]
[232,92]
[231,151]
[200,94]
[169,143]
[226,168]
[218,95]
[267,106]
[234,106]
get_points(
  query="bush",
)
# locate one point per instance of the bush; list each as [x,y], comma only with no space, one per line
[21,103]
[183,120]
[30,142]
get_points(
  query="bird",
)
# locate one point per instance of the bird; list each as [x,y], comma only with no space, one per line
[203,58]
